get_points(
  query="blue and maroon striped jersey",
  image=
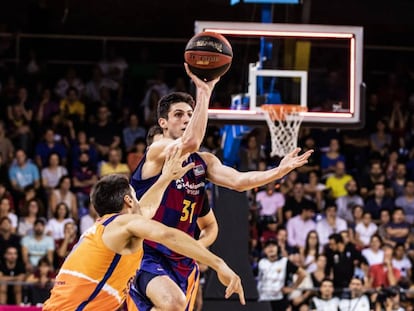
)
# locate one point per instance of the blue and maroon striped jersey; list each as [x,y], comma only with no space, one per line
[180,207]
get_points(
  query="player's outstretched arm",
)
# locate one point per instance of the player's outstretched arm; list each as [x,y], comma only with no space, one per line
[172,169]
[196,129]
[182,243]
[228,177]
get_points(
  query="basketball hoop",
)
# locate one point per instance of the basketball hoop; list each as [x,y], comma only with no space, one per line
[284,123]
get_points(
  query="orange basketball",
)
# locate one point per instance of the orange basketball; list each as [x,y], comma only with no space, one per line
[208,55]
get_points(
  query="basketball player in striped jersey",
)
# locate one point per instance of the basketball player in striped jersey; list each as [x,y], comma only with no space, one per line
[166,280]
[97,273]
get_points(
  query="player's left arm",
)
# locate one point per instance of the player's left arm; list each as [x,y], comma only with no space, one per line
[208,229]
[228,177]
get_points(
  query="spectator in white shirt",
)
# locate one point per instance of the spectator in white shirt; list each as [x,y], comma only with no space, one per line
[374,253]
[299,226]
[365,230]
[356,300]
[330,224]
[401,261]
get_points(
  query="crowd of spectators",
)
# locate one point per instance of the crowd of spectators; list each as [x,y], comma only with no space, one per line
[345,216]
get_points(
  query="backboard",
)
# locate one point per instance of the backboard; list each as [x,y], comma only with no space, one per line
[315,66]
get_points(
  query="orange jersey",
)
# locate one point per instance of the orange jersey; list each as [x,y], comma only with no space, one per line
[93,277]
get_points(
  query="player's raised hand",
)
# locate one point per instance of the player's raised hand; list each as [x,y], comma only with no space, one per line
[232,282]
[173,166]
[200,84]
[293,160]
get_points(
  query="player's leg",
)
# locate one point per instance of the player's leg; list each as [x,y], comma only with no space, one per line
[165,294]
[155,292]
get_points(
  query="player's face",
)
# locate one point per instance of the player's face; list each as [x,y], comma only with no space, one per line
[178,118]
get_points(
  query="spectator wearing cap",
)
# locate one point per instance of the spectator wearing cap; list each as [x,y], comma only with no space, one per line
[37,245]
[299,226]
[273,276]
[331,223]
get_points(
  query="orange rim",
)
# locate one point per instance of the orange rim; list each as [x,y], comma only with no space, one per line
[278,111]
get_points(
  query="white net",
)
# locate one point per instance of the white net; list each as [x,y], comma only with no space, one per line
[284,125]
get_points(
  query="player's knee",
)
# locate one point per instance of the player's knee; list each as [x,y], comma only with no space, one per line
[174,303]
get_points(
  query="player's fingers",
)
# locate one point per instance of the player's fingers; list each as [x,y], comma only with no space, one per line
[241,294]
[188,167]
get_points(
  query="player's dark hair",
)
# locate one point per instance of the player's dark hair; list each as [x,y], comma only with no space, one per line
[167,101]
[107,195]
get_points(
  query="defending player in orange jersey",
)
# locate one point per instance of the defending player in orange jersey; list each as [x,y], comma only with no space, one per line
[97,273]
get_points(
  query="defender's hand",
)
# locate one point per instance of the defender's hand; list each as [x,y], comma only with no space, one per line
[292,160]
[173,166]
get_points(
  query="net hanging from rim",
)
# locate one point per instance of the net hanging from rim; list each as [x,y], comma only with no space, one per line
[284,123]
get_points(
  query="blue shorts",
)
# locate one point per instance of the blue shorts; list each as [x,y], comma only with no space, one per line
[137,292]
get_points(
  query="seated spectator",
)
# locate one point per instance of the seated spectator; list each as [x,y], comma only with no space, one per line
[6,146]
[71,108]
[355,300]
[384,274]
[364,231]
[114,164]
[133,131]
[19,130]
[380,140]
[300,297]
[346,202]
[69,81]
[331,157]
[88,220]
[314,161]
[29,194]
[270,204]
[314,189]
[269,230]
[32,211]
[330,224]
[299,226]
[23,173]
[273,273]
[326,300]
[11,270]
[398,229]
[52,173]
[94,86]
[136,154]
[401,262]
[337,181]
[104,135]
[319,274]
[81,145]
[64,246]
[37,245]
[385,219]
[378,202]
[5,193]
[41,282]
[7,237]
[285,249]
[55,225]
[5,212]
[287,187]
[374,254]
[375,176]
[48,146]
[406,201]
[399,180]
[84,176]
[295,203]
[310,252]
[45,108]
[63,194]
